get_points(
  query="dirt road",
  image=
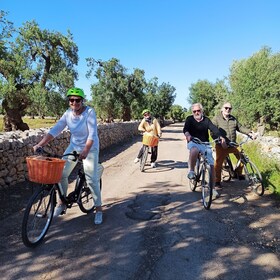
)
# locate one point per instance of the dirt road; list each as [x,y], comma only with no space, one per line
[154,228]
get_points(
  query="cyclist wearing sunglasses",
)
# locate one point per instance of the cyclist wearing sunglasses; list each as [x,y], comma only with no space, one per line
[197,125]
[228,126]
[82,124]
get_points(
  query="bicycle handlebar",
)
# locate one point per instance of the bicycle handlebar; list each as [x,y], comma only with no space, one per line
[41,151]
[198,141]
[234,144]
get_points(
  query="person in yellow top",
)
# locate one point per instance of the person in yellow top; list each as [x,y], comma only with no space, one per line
[151,125]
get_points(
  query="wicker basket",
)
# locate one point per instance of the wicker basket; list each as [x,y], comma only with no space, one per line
[150,140]
[45,170]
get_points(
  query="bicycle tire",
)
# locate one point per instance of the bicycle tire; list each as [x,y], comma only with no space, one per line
[227,170]
[144,157]
[206,186]
[85,199]
[254,177]
[193,182]
[38,216]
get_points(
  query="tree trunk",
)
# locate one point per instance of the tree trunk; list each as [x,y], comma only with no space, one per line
[12,117]
[127,114]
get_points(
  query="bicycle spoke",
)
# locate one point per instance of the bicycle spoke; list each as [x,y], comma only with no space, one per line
[254,178]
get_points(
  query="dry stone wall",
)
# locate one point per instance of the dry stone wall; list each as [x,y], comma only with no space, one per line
[16,146]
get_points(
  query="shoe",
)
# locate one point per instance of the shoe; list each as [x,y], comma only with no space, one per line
[241,177]
[98,218]
[215,194]
[218,185]
[153,164]
[59,210]
[136,160]
[191,175]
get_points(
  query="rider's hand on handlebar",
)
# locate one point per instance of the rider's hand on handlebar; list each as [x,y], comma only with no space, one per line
[223,143]
[37,148]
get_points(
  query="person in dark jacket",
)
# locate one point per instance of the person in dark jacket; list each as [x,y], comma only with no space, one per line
[197,125]
[228,126]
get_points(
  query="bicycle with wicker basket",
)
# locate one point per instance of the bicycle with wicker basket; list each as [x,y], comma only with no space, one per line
[47,172]
[148,142]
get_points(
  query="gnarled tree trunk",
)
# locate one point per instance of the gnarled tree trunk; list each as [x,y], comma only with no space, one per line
[12,118]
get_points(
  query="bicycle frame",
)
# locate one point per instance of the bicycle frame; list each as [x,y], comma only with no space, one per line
[39,211]
[203,172]
[252,174]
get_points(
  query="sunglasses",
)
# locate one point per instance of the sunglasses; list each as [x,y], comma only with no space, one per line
[227,108]
[72,100]
[196,111]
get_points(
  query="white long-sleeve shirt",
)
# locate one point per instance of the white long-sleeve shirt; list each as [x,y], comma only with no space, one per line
[82,128]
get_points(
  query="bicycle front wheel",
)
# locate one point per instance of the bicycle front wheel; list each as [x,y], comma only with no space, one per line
[254,177]
[206,186]
[38,216]
[85,200]
[144,157]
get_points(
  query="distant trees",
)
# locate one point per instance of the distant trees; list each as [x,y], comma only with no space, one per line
[253,88]
[123,95]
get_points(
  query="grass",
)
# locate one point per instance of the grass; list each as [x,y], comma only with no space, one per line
[33,123]
[268,167]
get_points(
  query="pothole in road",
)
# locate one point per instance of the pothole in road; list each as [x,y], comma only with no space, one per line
[147,206]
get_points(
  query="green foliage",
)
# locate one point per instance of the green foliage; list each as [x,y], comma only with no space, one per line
[269,168]
[36,63]
[116,89]
[159,98]
[256,81]
[210,95]
[176,113]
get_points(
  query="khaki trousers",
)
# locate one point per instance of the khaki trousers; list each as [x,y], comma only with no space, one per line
[221,154]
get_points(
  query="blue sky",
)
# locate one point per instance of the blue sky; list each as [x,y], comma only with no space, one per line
[178,41]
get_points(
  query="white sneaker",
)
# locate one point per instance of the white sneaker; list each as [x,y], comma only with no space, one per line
[153,164]
[98,218]
[59,210]
[191,175]
[215,194]
[136,160]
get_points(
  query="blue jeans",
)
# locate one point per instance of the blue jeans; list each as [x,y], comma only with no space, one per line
[202,148]
[91,173]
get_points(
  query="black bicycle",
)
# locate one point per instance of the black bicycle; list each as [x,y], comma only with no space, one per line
[148,142]
[253,176]
[39,211]
[203,174]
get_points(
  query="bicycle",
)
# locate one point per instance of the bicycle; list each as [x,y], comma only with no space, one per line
[39,211]
[252,174]
[148,141]
[203,174]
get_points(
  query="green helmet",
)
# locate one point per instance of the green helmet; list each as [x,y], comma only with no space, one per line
[76,92]
[145,111]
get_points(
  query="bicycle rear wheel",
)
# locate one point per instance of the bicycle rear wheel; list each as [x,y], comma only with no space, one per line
[194,182]
[206,186]
[85,200]
[144,157]
[254,177]
[38,216]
